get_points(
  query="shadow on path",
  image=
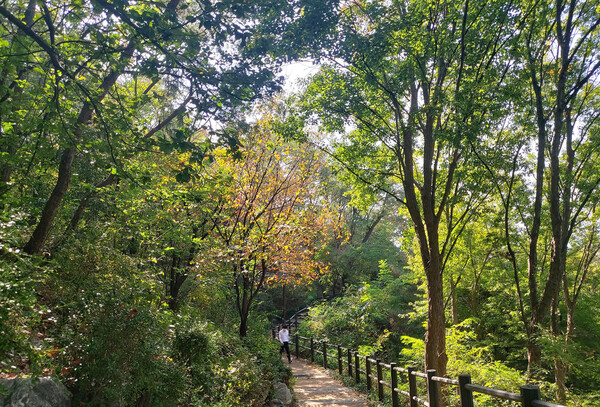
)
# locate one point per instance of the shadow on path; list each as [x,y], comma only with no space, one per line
[314,387]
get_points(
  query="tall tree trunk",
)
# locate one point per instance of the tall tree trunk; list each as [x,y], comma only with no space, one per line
[40,234]
[435,338]
[175,280]
[244,307]
[454,305]
[559,201]
[533,351]
[475,306]
[247,285]
[560,184]
[560,374]
[588,257]
[560,367]
[425,220]
[83,204]
[243,332]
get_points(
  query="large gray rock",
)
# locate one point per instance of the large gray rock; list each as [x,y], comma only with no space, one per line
[25,392]
[282,394]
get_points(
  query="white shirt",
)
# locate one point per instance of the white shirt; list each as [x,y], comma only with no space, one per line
[284,335]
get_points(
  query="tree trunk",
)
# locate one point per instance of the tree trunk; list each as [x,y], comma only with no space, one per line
[560,373]
[38,238]
[422,211]
[78,214]
[435,338]
[475,305]
[453,302]
[533,351]
[534,354]
[560,367]
[244,312]
[243,326]
[175,280]
[247,285]
[40,234]
[243,303]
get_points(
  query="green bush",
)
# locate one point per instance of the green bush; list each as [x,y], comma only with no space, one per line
[114,333]
[119,353]
[224,369]
[468,356]
[113,341]
[195,349]
[22,350]
[121,356]
[370,318]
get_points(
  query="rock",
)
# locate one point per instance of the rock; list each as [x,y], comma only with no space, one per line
[276,403]
[282,394]
[25,392]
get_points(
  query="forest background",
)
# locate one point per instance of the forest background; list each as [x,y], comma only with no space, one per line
[431,190]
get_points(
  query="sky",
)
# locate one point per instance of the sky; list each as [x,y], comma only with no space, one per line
[293,72]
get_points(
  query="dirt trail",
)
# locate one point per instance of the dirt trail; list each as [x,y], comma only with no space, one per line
[314,387]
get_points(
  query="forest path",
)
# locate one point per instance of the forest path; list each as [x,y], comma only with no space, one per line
[314,387]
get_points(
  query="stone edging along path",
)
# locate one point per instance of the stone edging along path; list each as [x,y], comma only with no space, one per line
[314,387]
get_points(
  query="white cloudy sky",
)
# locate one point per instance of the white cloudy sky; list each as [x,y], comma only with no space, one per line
[294,72]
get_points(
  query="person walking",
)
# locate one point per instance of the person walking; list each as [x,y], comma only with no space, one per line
[284,338]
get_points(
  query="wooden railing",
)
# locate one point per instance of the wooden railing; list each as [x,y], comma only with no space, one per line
[385,378]
[292,322]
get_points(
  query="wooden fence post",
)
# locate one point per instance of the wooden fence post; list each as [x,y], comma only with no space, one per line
[412,386]
[529,393]
[349,357]
[432,389]
[340,364]
[312,350]
[356,367]
[466,396]
[394,384]
[368,372]
[297,340]
[325,354]
[380,380]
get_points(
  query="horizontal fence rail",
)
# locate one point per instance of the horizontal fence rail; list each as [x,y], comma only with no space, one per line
[384,378]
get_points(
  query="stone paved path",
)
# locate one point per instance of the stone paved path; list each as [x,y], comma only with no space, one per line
[314,387]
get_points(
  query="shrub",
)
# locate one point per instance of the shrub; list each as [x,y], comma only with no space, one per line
[119,353]
[21,350]
[120,345]
[226,370]
[467,355]
[371,317]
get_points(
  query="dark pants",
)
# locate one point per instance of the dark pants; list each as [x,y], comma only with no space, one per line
[286,346]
